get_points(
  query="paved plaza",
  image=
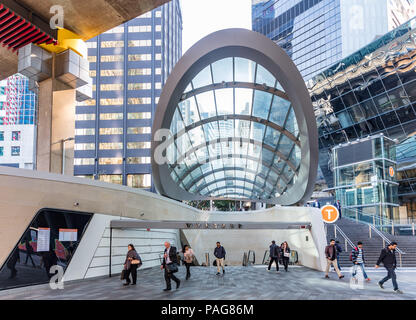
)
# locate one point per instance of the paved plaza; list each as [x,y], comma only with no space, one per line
[238,283]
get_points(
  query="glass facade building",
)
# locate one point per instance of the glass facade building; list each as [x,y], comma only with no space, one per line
[318,33]
[371,91]
[129,65]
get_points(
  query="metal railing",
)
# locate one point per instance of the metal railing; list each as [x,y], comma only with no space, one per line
[207,260]
[338,230]
[266,257]
[251,254]
[245,259]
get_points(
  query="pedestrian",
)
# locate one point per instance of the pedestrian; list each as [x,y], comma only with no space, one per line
[339,250]
[219,253]
[11,264]
[388,258]
[285,250]
[188,257]
[337,205]
[132,262]
[274,256]
[170,265]
[358,260]
[331,258]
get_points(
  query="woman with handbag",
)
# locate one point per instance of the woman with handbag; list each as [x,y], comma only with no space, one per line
[132,262]
[188,257]
[285,254]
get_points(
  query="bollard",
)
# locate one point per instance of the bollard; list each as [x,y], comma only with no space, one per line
[413,228]
[392,227]
[400,256]
[346,249]
[369,231]
[384,243]
[335,231]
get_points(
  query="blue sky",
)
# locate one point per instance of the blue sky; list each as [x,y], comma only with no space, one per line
[202,17]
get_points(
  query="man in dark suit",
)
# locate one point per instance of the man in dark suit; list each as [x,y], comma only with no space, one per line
[169,258]
[337,205]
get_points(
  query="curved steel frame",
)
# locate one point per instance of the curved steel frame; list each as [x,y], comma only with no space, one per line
[256,47]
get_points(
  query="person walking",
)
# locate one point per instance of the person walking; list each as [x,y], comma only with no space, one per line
[331,258]
[170,265]
[131,264]
[188,257]
[219,253]
[339,250]
[358,260]
[274,256]
[337,205]
[388,258]
[285,250]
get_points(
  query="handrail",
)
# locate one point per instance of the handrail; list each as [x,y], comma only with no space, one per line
[385,239]
[254,256]
[264,257]
[245,259]
[207,259]
[347,240]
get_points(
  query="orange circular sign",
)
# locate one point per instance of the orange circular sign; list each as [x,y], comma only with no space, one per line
[330,213]
[391,172]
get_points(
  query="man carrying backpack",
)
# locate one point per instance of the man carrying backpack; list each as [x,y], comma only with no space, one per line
[357,258]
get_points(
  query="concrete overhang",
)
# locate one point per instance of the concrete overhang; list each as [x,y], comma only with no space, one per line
[85,18]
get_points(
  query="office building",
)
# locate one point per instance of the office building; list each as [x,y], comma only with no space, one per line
[17,123]
[129,65]
[369,92]
[318,33]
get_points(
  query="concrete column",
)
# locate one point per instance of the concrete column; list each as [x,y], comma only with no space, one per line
[56,122]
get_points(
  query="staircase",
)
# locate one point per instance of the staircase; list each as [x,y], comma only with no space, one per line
[358,231]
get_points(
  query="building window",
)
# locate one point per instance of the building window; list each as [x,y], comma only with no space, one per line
[93,73]
[158,85]
[106,131]
[140,72]
[111,73]
[111,87]
[138,145]
[146,15]
[111,102]
[158,42]
[140,28]
[112,44]
[140,43]
[92,58]
[138,160]
[139,180]
[111,116]
[119,29]
[15,135]
[140,57]
[139,115]
[158,71]
[138,130]
[158,56]
[112,58]
[84,161]
[158,14]
[85,116]
[1,151]
[139,100]
[89,102]
[111,145]
[158,28]
[92,44]
[1,135]
[140,86]
[111,178]
[108,161]
[84,146]
[85,132]
[15,151]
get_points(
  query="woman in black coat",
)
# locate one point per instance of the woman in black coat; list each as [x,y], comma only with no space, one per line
[285,254]
[129,267]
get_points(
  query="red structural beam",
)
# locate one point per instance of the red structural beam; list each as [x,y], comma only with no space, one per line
[16,32]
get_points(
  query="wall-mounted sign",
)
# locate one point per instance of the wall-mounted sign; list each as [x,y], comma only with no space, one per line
[330,213]
[68,234]
[44,237]
[391,171]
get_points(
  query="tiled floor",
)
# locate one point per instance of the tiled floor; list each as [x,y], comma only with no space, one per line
[237,283]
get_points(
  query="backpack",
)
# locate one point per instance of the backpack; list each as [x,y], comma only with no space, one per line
[355,249]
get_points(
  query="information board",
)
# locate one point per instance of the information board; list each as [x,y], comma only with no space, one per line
[68,234]
[44,236]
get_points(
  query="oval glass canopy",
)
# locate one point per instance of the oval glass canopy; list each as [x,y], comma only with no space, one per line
[241,125]
[235,133]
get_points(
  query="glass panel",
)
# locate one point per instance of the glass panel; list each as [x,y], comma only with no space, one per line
[264,76]
[243,101]
[189,111]
[203,78]
[222,70]
[226,128]
[279,110]
[42,246]
[211,130]
[225,101]
[272,137]
[257,131]
[291,123]
[206,104]
[196,135]
[261,105]
[244,70]
[285,145]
